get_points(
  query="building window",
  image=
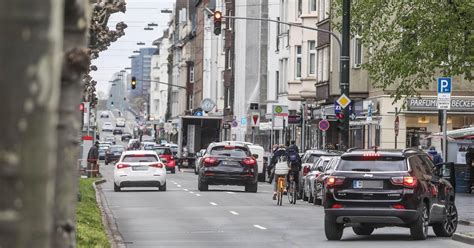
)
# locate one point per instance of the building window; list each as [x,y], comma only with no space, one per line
[278,35]
[298,62]
[312,5]
[191,74]
[300,8]
[312,57]
[323,65]
[357,51]
[228,60]
[283,81]
[324,8]
[277,78]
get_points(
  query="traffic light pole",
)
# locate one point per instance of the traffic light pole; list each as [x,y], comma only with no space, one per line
[344,56]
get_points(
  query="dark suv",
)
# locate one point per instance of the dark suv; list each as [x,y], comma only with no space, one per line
[228,163]
[372,189]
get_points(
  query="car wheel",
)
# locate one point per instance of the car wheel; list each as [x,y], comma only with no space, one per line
[251,187]
[363,229]
[332,229]
[202,186]
[117,188]
[162,187]
[419,229]
[450,223]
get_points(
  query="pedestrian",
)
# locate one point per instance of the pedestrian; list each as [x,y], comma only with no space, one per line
[470,168]
[93,160]
[435,156]
[294,146]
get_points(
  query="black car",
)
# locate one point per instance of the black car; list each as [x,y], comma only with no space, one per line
[113,154]
[117,131]
[372,189]
[227,163]
[126,136]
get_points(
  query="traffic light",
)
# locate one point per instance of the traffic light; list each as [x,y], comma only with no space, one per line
[81,107]
[217,22]
[134,83]
[340,121]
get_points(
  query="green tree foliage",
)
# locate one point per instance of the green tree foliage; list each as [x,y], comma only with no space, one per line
[411,42]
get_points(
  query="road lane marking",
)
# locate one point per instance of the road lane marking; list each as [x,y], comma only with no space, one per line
[185,189]
[232,193]
[190,192]
[234,213]
[198,194]
[260,227]
[213,203]
[179,186]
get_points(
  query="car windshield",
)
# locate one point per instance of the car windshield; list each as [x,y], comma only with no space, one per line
[116,149]
[140,158]
[229,151]
[163,151]
[372,164]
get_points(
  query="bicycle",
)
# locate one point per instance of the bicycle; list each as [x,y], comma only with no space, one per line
[292,193]
[280,188]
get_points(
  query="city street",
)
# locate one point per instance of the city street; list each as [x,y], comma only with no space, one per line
[225,216]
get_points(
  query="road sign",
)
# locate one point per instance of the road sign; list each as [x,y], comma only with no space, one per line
[323,125]
[255,119]
[280,110]
[337,108]
[243,121]
[344,101]
[444,93]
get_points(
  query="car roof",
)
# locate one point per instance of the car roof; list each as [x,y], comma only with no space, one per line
[384,152]
[139,152]
[229,143]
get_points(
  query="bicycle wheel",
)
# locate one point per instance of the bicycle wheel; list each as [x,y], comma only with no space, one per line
[292,192]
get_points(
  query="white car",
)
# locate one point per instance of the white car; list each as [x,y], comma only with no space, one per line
[120,122]
[139,169]
[258,152]
[107,127]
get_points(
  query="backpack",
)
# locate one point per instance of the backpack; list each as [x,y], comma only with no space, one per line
[293,156]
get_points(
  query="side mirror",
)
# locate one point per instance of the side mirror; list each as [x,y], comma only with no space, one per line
[255,156]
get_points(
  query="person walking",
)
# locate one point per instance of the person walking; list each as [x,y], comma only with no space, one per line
[435,156]
[93,160]
[294,146]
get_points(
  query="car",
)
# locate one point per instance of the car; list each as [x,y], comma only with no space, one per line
[117,131]
[148,145]
[199,156]
[120,122]
[317,188]
[139,169]
[107,127]
[377,188]
[227,163]
[126,136]
[102,151]
[166,157]
[113,153]
[258,153]
[111,140]
[104,115]
[311,176]
[308,160]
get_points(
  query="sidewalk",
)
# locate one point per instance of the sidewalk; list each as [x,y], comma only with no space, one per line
[465,206]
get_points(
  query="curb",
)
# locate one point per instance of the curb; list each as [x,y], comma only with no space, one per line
[115,237]
[466,222]
[461,237]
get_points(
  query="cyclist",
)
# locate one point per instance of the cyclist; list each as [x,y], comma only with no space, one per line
[295,162]
[278,152]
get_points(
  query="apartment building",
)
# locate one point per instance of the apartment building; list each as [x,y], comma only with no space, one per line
[159,76]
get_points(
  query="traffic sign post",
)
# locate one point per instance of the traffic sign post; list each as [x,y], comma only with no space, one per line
[444,103]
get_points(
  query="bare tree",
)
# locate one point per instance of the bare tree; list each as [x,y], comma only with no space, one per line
[30,62]
[75,63]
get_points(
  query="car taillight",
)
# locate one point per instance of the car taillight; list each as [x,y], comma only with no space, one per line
[306,170]
[337,205]
[333,181]
[398,206]
[407,181]
[122,166]
[210,161]
[249,161]
[158,165]
[171,163]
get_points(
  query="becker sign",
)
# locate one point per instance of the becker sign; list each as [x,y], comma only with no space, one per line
[458,104]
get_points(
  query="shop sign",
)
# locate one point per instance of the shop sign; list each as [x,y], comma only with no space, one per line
[459,104]
[294,119]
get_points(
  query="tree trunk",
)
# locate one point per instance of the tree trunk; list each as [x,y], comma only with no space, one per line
[75,64]
[30,62]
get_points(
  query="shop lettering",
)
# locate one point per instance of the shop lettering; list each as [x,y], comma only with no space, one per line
[430,104]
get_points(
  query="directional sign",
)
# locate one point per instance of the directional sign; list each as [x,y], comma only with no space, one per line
[255,119]
[344,101]
[444,93]
[323,125]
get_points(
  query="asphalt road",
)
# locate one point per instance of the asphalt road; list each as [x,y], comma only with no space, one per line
[226,216]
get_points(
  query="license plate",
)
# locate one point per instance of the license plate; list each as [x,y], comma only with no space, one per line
[367,184]
[140,168]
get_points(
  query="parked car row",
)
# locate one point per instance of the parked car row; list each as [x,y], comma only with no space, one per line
[368,189]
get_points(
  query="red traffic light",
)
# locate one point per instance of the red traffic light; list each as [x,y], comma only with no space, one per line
[340,116]
[81,107]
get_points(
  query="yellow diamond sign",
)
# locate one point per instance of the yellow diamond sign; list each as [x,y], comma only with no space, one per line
[343,101]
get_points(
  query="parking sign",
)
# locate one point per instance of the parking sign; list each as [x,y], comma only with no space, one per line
[444,93]
[444,85]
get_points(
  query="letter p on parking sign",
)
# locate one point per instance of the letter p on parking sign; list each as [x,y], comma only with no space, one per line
[444,85]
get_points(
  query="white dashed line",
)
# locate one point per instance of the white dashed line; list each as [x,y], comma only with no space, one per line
[213,203]
[190,192]
[198,194]
[234,213]
[260,227]
[232,193]
[185,189]
[179,186]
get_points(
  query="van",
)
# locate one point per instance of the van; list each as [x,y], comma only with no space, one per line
[258,152]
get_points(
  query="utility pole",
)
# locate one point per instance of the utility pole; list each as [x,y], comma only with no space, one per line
[344,83]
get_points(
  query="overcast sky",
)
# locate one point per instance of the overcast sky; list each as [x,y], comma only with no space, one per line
[138,15]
